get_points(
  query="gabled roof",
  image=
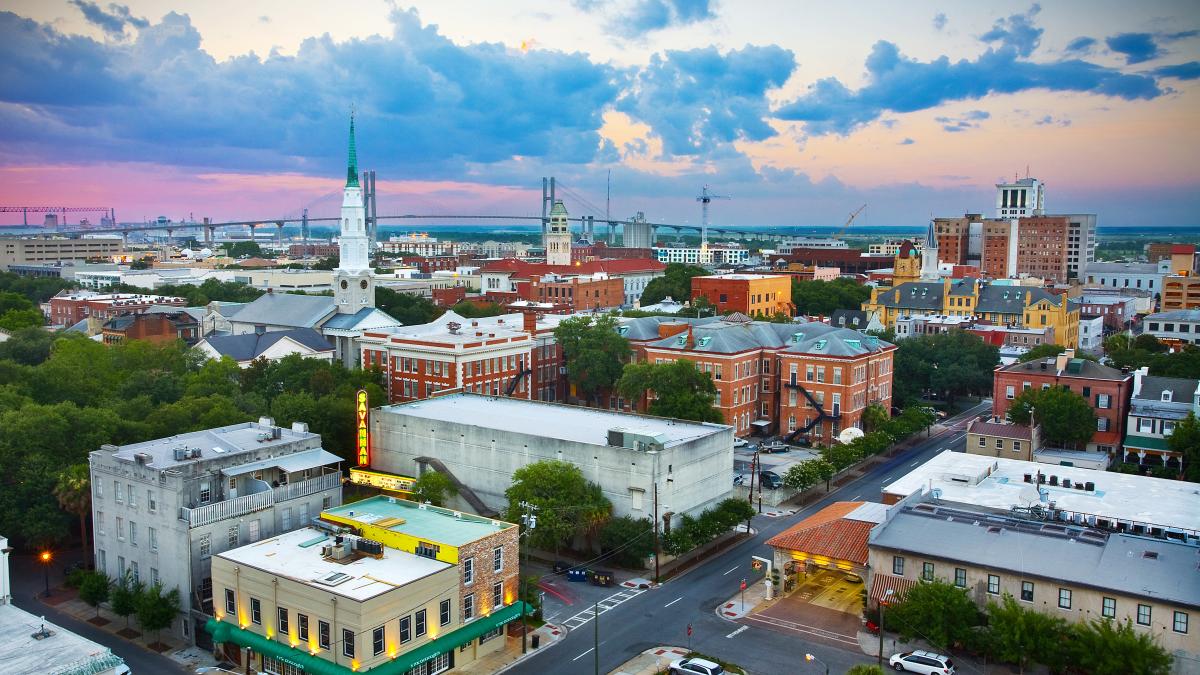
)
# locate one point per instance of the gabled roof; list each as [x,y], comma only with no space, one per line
[367,315]
[250,346]
[286,309]
[913,295]
[849,318]
[1182,389]
[1075,368]
[1175,315]
[995,429]
[731,337]
[1011,299]
[829,532]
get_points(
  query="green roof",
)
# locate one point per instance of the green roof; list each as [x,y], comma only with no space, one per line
[352,165]
[224,632]
[424,521]
[1135,442]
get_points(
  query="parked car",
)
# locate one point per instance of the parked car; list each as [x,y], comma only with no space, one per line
[774,446]
[695,667]
[770,479]
[852,578]
[740,443]
[920,661]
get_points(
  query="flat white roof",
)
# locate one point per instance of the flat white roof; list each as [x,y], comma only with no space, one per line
[550,420]
[999,483]
[62,652]
[743,277]
[284,556]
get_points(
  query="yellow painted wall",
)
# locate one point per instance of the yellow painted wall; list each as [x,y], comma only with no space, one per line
[397,540]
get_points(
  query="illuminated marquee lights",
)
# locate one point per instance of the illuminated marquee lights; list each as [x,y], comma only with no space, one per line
[363,441]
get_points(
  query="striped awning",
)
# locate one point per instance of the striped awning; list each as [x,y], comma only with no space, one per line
[882,583]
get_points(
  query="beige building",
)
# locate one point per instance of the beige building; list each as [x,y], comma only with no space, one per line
[382,583]
[43,250]
[1014,441]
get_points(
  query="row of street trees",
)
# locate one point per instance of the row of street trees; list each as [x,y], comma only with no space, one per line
[882,433]
[154,607]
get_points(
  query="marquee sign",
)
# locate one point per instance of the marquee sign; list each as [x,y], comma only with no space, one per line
[363,440]
[386,481]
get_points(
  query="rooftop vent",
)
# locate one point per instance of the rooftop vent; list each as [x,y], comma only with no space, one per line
[995,530]
[1150,555]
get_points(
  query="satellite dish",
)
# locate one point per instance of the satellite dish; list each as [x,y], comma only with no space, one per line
[1030,495]
[850,434]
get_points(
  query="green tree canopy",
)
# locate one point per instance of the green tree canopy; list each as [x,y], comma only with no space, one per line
[676,389]
[595,353]
[628,540]
[953,364]
[243,248]
[29,346]
[676,282]
[1066,418]
[937,612]
[1025,636]
[156,609]
[567,505]
[35,289]
[1105,647]
[94,589]
[433,487]
[73,490]
[471,310]
[408,309]
[125,597]
[821,298]
[1185,440]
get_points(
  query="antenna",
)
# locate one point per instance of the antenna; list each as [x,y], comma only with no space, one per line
[704,198]
[608,207]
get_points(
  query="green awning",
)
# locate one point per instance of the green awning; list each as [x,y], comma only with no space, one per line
[228,632]
[1135,442]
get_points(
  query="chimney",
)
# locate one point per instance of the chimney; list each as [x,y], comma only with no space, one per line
[1060,361]
[691,339]
[1137,379]
[529,322]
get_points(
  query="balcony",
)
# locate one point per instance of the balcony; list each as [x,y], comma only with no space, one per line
[259,501]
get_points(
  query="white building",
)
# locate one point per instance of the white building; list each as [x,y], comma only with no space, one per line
[715,254]
[790,243]
[890,247]
[558,236]
[1155,407]
[1091,332]
[1081,243]
[1178,324]
[419,243]
[637,233]
[162,508]
[1145,276]
[481,440]
[1022,197]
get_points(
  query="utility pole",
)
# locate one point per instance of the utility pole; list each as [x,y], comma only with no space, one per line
[596,635]
[656,538]
[882,603]
[608,207]
[529,519]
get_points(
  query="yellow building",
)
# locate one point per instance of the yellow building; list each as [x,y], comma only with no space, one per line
[997,304]
[907,265]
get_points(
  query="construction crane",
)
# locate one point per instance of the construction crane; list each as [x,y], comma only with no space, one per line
[704,198]
[848,221]
[57,210]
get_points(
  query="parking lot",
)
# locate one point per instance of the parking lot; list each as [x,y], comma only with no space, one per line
[779,462]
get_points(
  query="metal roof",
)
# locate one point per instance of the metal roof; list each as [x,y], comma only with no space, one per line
[286,309]
[249,346]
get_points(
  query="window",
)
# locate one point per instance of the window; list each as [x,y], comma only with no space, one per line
[120,528]
[285,519]
[205,546]
[420,622]
[153,536]
[405,629]
[121,566]
[898,565]
[494,633]
[132,497]
[1064,598]
[117,492]
[133,567]
[1143,615]
[230,601]
[1101,424]
[1016,446]
[151,504]
[100,521]
[1102,401]
[982,442]
[498,559]
[999,443]
[1027,591]
[960,577]
[233,536]
[468,607]
[347,643]
[205,492]
[153,576]
[993,586]
[927,571]
[1108,608]
[255,611]
[1009,392]
[1181,622]
[377,641]
[302,627]
[468,567]
[99,489]
[497,595]
[282,620]
[444,613]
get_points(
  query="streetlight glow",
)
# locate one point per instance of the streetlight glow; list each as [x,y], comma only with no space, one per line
[45,556]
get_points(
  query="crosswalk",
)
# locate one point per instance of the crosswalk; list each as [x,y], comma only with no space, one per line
[603,606]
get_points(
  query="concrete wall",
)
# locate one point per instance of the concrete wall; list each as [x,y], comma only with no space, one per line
[700,470]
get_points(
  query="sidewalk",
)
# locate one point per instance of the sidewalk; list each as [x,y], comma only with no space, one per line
[498,662]
[651,662]
[755,599]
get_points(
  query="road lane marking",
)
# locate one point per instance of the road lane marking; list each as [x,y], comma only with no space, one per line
[732,569]
[740,630]
[589,651]
[915,463]
[855,498]
[673,601]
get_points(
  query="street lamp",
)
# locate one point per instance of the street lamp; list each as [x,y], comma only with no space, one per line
[883,602]
[46,557]
[810,658]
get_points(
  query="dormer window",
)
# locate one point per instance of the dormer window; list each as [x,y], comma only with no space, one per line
[1166,395]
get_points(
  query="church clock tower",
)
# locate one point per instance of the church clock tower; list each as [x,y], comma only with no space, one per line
[353,280]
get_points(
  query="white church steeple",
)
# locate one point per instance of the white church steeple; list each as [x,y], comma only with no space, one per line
[353,280]
[929,256]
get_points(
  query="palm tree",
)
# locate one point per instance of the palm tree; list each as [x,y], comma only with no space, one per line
[73,489]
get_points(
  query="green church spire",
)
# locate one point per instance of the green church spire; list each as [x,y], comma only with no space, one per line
[352,167]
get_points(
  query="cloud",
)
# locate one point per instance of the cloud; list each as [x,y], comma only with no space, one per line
[898,84]
[968,120]
[639,17]
[699,99]
[1017,31]
[113,21]
[907,141]
[939,21]
[1081,45]
[1183,71]
[1137,47]
[1048,120]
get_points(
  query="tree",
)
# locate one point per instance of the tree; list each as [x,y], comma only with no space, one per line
[676,389]
[244,248]
[28,346]
[801,475]
[841,455]
[1066,418]
[823,470]
[471,310]
[875,417]
[125,595]
[432,487]
[566,503]
[676,282]
[935,611]
[18,319]
[1042,351]
[1105,647]
[1185,440]
[155,609]
[628,540]
[821,298]
[594,352]
[94,589]
[73,490]
[408,309]
[1024,636]
[951,364]
[864,669]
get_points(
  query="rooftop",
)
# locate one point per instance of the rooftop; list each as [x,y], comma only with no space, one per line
[575,424]
[742,277]
[296,555]
[999,483]
[61,653]
[1141,566]
[233,440]
[423,521]
[1017,431]
[1175,315]
[838,531]
[1075,368]
[439,330]
[287,309]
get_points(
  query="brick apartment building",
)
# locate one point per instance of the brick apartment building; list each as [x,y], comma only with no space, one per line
[509,355]
[578,293]
[1038,246]
[70,307]
[157,327]
[1180,292]
[798,379]
[751,294]
[312,250]
[1106,389]
[429,264]
[508,280]
[848,260]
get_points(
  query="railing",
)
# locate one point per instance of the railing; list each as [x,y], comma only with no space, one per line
[230,508]
[305,488]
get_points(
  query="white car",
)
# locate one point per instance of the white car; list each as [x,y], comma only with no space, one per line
[920,661]
[740,442]
[695,667]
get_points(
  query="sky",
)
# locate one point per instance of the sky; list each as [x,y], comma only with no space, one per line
[799,111]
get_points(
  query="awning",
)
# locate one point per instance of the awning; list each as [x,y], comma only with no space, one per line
[1135,442]
[761,423]
[224,632]
[882,583]
[297,461]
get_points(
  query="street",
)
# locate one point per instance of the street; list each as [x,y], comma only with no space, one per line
[660,616]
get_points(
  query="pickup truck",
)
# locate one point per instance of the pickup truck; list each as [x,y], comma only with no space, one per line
[774,446]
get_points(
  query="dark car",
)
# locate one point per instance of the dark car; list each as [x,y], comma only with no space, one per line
[770,479]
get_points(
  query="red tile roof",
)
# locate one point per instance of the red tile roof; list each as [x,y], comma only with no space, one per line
[523,269]
[882,583]
[1177,249]
[828,533]
[983,428]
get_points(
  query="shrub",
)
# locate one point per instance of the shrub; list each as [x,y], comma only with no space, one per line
[628,540]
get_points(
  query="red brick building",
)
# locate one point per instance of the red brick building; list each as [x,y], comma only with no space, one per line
[157,327]
[437,263]
[1042,247]
[503,279]
[70,307]
[578,293]
[848,260]
[313,250]
[751,294]
[1106,389]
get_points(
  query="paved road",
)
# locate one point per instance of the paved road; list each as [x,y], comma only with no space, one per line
[660,616]
[28,581]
